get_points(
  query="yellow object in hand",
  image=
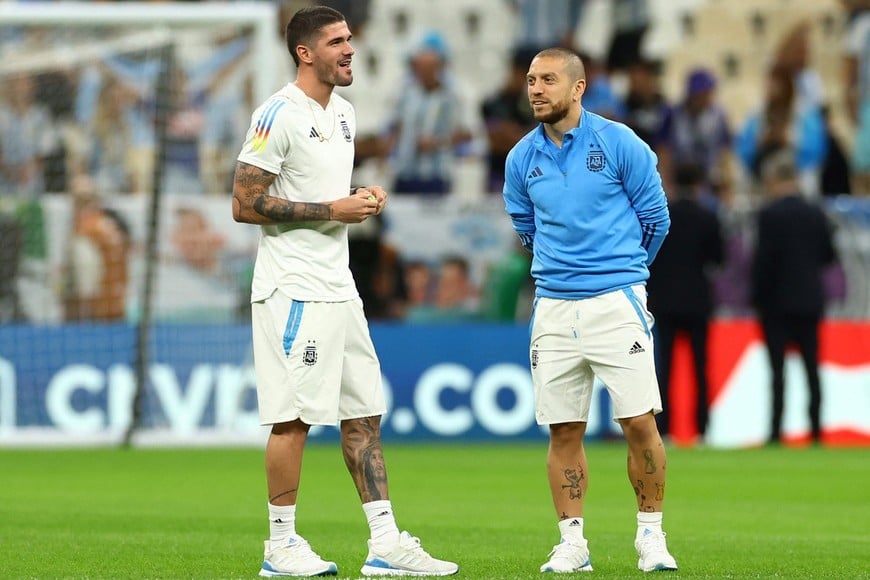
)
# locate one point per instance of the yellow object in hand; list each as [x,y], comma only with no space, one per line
[372,198]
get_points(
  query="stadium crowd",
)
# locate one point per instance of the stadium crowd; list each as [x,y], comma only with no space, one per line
[94,123]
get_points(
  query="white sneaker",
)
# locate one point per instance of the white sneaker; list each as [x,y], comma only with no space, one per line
[295,558]
[653,551]
[406,558]
[569,556]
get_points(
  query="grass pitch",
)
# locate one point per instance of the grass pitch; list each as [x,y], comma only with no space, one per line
[761,513]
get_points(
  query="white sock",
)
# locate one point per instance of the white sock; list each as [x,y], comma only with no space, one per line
[282,523]
[571,528]
[382,523]
[652,521]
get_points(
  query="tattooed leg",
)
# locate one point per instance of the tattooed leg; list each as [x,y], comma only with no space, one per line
[647,461]
[567,470]
[284,461]
[361,446]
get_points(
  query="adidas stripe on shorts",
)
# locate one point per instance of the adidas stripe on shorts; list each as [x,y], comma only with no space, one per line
[314,361]
[609,336]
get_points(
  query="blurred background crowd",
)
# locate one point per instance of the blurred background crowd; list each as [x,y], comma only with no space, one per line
[713,86]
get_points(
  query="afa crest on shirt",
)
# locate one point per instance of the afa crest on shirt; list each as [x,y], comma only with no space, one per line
[309,356]
[595,160]
[345,130]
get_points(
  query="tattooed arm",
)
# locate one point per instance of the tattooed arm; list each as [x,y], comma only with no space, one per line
[252,203]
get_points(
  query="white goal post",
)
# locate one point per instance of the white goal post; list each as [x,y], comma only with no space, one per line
[123,44]
[260,16]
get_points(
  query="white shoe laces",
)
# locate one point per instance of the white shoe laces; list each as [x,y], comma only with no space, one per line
[652,542]
[300,550]
[566,550]
[412,544]
[304,548]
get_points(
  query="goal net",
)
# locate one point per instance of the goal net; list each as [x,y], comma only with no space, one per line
[120,265]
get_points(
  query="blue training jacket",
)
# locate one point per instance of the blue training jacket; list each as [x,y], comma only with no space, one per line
[593,213]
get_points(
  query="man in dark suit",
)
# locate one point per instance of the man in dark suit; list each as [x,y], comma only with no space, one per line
[794,245]
[679,287]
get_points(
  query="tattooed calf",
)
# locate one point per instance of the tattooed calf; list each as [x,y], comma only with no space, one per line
[649,462]
[574,478]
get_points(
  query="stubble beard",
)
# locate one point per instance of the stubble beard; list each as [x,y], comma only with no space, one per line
[342,80]
[332,76]
[559,111]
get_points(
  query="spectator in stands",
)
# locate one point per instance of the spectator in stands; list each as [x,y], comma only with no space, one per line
[115,104]
[119,142]
[203,275]
[794,244]
[428,124]
[389,294]
[185,124]
[630,20]
[599,96]
[98,261]
[780,124]
[377,269]
[679,287]
[697,131]
[645,105]
[455,295]
[793,55]
[225,80]
[206,118]
[857,90]
[11,248]
[508,289]
[54,90]
[508,117]
[546,23]
[198,244]
[419,283]
[26,138]
[113,107]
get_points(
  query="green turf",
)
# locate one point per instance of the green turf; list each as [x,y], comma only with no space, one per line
[763,513]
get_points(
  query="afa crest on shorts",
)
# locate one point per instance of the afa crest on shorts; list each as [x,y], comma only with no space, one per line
[595,160]
[345,131]
[309,356]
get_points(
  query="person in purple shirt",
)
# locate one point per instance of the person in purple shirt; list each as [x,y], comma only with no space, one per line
[697,131]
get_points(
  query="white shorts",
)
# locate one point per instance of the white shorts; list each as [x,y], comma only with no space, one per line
[572,341]
[314,361]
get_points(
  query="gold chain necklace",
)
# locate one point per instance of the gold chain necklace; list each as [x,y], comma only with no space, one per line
[317,125]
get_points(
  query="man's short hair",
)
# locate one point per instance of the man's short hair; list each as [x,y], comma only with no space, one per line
[779,165]
[574,65]
[306,25]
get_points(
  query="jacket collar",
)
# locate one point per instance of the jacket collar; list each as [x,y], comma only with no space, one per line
[540,140]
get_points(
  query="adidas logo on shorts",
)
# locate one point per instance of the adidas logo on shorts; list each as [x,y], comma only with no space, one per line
[636,348]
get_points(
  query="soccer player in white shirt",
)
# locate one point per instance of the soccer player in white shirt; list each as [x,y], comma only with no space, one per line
[314,359]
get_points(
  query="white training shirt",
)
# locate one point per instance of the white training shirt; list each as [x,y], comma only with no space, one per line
[308,261]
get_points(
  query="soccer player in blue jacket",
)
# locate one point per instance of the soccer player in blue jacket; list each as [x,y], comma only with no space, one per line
[586,199]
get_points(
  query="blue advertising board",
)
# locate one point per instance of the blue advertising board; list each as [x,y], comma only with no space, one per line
[443,382]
